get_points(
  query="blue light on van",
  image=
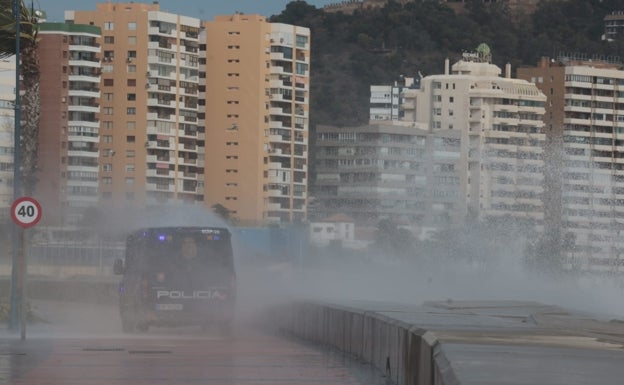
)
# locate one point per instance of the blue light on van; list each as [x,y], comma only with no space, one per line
[216,238]
[162,237]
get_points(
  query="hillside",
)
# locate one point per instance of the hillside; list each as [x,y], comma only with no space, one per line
[375,46]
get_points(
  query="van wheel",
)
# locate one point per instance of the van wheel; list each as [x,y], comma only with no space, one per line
[142,327]
[127,325]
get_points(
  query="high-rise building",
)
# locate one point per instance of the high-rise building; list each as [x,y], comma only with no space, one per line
[385,100]
[614,26]
[468,143]
[256,92]
[499,164]
[585,169]
[7,113]
[67,175]
[385,171]
[151,146]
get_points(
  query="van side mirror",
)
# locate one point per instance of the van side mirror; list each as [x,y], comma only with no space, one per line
[118,266]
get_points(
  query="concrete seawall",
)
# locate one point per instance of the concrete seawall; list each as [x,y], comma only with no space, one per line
[450,343]
[403,352]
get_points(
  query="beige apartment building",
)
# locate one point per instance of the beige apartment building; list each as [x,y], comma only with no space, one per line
[585,134]
[256,117]
[7,124]
[67,177]
[151,146]
[499,163]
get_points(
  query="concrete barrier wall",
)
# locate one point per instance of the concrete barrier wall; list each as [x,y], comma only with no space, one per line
[403,352]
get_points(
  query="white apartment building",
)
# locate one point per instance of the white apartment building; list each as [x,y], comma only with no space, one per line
[585,125]
[499,122]
[385,100]
[7,113]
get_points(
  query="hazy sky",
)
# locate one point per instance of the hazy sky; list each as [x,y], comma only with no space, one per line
[203,9]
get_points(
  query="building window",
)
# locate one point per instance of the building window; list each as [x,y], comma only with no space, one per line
[109,26]
[129,181]
[131,97]
[108,82]
[130,139]
[131,82]
[107,167]
[132,26]
[107,125]
[107,138]
[109,40]
[107,110]
[131,111]
[130,153]
[131,68]
[301,41]
[130,167]
[107,97]
[107,68]
[130,125]
[132,40]
[107,180]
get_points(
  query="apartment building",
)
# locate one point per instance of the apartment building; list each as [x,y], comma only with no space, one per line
[7,124]
[69,122]
[385,100]
[585,128]
[151,146]
[498,121]
[398,171]
[256,92]
[614,26]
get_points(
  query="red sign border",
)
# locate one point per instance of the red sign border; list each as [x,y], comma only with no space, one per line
[20,223]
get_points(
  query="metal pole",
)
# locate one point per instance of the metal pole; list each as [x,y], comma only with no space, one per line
[17,231]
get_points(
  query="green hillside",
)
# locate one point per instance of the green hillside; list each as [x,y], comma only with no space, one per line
[352,52]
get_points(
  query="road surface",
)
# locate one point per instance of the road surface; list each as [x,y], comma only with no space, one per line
[82,344]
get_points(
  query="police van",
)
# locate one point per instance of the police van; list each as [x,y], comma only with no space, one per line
[177,276]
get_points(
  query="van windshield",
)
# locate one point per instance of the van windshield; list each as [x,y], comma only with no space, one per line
[200,248]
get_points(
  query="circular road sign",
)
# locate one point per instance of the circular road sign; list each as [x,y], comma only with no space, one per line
[26,212]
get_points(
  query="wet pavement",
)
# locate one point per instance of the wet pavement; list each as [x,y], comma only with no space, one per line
[82,344]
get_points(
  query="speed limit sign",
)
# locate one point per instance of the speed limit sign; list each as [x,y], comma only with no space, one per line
[26,212]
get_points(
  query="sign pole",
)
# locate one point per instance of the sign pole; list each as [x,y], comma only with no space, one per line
[25,212]
[17,175]
[21,283]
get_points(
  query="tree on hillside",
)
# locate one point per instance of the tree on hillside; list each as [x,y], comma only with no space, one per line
[29,68]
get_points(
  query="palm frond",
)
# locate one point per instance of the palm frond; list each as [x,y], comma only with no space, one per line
[28,28]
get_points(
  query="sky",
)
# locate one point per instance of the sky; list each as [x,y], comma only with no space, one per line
[202,9]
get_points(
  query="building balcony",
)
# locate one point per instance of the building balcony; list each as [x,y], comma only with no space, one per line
[79,108]
[162,32]
[160,187]
[160,173]
[72,137]
[94,63]
[85,93]
[85,48]
[83,154]
[84,78]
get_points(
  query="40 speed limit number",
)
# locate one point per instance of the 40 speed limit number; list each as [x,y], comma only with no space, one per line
[26,212]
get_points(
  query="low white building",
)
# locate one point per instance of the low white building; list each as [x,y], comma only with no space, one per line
[338,230]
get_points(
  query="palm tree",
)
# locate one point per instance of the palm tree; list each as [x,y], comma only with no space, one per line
[29,72]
